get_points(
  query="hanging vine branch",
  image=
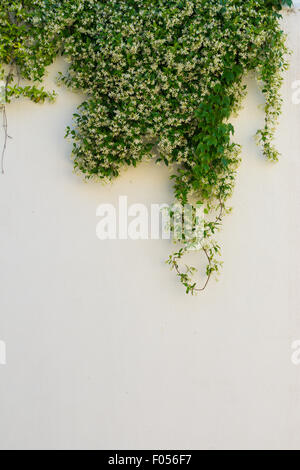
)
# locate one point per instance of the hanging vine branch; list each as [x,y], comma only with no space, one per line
[16,52]
[165,74]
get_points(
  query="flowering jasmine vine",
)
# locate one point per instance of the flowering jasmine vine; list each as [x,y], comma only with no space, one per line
[162,79]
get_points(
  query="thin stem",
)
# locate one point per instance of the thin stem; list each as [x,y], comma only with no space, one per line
[6,136]
[4,115]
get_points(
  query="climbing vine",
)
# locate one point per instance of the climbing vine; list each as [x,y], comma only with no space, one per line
[162,79]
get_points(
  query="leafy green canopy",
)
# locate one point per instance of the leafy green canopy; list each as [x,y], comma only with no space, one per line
[161,77]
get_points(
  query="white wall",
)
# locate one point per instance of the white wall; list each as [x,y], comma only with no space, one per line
[104,349]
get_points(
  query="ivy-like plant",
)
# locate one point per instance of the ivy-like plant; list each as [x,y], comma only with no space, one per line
[163,75]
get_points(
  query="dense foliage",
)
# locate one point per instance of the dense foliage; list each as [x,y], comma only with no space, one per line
[161,79]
